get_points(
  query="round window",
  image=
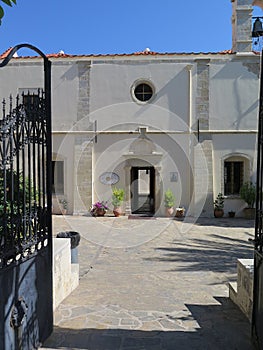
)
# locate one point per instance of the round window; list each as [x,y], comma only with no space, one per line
[142,91]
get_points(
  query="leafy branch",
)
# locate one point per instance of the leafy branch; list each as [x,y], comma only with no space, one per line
[8,3]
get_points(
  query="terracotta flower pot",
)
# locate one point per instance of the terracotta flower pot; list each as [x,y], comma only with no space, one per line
[218,213]
[179,212]
[63,211]
[117,211]
[169,211]
[100,212]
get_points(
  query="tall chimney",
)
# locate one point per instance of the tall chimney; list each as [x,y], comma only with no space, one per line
[241,25]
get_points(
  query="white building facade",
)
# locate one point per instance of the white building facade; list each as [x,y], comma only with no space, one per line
[148,122]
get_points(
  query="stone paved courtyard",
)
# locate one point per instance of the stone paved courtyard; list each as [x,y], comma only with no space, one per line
[154,284]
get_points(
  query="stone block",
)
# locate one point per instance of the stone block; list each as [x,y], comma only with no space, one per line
[241,293]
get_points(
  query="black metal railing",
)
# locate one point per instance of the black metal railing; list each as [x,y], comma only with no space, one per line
[23,180]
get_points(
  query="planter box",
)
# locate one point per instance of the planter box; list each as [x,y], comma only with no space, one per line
[249,213]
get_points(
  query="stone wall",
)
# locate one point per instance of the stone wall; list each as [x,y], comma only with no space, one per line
[241,25]
[202,94]
[84,90]
[82,175]
[203,179]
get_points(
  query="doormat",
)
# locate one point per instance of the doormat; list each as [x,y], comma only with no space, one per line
[144,217]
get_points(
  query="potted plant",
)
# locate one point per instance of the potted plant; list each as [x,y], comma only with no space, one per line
[169,200]
[117,200]
[63,206]
[248,194]
[231,214]
[179,213]
[219,206]
[99,209]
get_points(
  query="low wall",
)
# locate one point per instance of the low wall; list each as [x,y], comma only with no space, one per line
[65,274]
[241,292]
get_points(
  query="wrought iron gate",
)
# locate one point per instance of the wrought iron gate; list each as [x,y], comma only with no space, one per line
[257,316]
[26,311]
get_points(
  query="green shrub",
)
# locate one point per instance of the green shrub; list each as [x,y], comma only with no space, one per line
[219,202]
[248,193]
[16,197]
[64,203]
[169,199]
[15,205]
[117,196]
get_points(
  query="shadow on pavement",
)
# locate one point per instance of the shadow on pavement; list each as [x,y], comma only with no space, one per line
[225,222]
[217,254]
[218,327]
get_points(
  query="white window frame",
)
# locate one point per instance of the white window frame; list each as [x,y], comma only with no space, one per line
[136,84]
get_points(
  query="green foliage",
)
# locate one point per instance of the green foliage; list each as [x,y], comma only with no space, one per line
[15,199]
[8,3]
[219,202]
[19,190]
[248,193]
[64,203]
[169,199]
[117,196]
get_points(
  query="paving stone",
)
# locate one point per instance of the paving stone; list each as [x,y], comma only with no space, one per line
[127,322]
[154,285]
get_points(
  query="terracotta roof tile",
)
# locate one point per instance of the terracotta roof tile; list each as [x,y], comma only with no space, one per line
[59,54]
[142,53]
[5,54]
[146,52]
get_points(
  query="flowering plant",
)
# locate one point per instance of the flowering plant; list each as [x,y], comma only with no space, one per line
[98,206]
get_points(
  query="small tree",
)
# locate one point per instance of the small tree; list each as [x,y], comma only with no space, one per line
[248,193]
[117,196]
[219,202]
[169,199]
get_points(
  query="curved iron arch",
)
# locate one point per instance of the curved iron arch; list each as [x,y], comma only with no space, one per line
[18,47]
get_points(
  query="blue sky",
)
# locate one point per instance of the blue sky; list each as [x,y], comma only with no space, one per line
[119,26]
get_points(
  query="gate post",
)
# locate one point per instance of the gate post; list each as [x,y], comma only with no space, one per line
[257,313]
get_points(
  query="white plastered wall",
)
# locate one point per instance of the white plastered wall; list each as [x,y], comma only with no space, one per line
[224,146]
[111,154]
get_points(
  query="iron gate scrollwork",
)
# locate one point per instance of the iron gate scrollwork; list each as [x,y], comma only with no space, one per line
[23,188]
[25,216]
